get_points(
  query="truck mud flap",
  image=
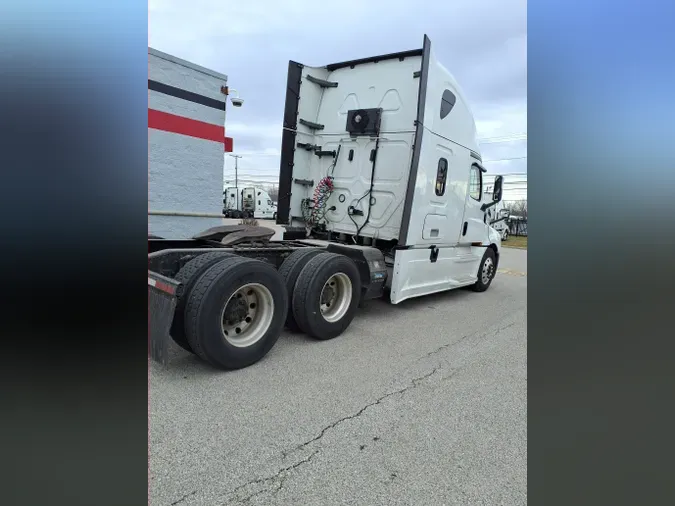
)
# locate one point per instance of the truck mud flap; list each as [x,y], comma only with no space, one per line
[163,293]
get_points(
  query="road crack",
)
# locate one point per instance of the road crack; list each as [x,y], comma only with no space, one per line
[413,384]
[274,483]
[492,333]
[270,484]
[183,498]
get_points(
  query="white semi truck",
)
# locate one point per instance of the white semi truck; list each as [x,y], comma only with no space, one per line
[380,194]
[499,220]
[248,202]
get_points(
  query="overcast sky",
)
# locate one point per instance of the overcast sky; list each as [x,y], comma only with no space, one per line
[481,42]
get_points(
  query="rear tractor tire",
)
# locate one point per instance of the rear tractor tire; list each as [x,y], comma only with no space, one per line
[326,295]
[189,275]
[290,270]
[236,312]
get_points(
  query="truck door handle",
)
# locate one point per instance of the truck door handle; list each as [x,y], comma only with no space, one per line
[466,224]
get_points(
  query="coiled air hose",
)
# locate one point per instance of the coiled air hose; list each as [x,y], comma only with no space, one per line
[322,193]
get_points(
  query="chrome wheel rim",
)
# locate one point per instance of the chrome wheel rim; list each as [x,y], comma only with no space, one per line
[488,270]
[336,297]
[247,315]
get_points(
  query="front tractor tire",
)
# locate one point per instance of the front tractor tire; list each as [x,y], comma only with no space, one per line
[236,312]
[326,295]
[486,271]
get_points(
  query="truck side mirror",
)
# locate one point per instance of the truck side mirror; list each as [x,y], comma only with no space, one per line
[497,192]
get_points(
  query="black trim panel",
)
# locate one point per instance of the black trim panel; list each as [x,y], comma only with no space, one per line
[288,141]
[419,129]
[185,95]
[375,59]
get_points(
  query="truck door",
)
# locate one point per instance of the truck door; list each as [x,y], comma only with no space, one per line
[475,224]
[440,209]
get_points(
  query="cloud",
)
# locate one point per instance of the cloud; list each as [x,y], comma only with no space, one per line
[253,137]
[482,42]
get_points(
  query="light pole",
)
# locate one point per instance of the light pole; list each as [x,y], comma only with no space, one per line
[236,180]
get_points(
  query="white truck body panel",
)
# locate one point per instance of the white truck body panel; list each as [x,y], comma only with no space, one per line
[186,143]
[427,187]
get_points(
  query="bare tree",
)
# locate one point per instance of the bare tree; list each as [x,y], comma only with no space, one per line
[517,208]
[274,193]
[518,216]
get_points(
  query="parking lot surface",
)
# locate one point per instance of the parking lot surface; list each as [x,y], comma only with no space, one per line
[423,403]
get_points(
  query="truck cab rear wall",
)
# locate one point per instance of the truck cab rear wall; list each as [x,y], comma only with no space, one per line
[384,185]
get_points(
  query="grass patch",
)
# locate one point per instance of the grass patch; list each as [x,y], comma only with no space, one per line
[515,242]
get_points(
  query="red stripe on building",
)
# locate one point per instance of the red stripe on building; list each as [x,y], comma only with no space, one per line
[167,122]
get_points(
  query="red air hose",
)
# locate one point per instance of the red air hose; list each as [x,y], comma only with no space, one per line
[322,192]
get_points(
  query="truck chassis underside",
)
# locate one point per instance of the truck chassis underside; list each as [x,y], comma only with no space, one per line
[167,256]
[315,285]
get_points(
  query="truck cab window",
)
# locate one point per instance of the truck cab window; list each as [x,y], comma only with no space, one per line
[475,183]
[441,176]
[447,103]
[258,202]
[269,202]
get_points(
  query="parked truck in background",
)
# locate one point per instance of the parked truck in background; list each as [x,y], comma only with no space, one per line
[500,222]
[248,202]
[498,215]
[380,194]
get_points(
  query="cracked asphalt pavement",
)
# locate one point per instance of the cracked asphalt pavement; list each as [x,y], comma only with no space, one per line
[423,403]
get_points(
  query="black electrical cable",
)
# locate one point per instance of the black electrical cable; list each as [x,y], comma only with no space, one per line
[331,167]
[370,191]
